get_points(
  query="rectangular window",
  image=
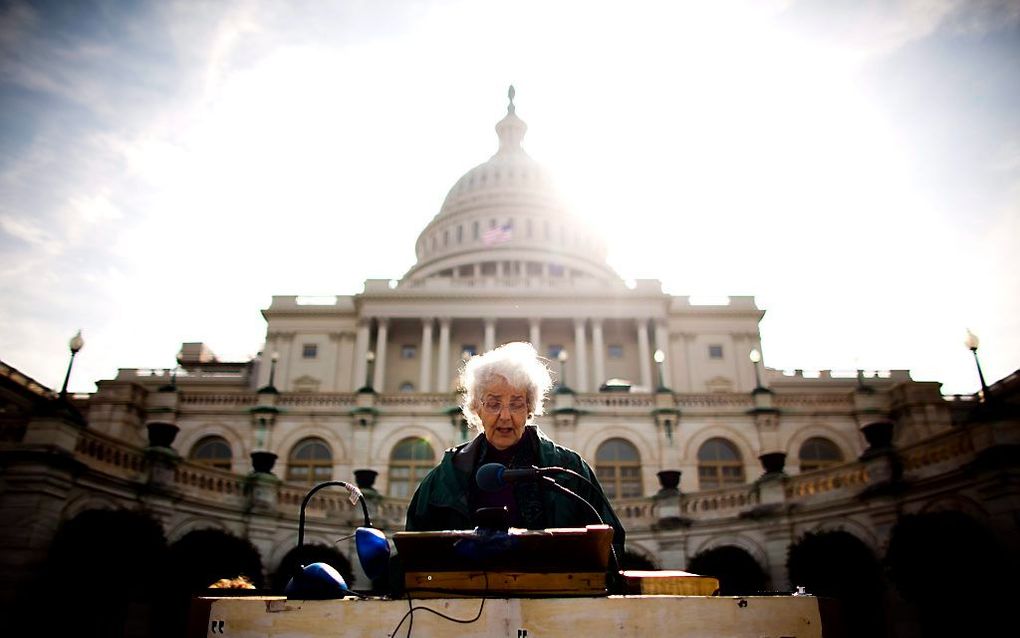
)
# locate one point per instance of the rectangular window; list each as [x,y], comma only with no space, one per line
[309,351]
[615,351]
[408,352]
[474,231]
[470,348]
[715,351]
[460,234]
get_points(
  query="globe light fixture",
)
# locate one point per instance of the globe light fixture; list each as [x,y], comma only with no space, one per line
[74,345]
[972,342]
[660,358]
[562,357]
[755,357]
[369,368]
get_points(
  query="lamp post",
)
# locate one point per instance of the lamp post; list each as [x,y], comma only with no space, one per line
[972,342]
[75,344]
[562,357]
[755,357]
[369,368]
[660,358]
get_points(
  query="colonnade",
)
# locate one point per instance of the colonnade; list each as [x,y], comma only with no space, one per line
[588,334]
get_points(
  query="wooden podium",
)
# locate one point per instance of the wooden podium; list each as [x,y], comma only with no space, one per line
[519,562]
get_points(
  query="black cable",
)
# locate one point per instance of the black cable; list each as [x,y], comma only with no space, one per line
[614,571]
[409,615]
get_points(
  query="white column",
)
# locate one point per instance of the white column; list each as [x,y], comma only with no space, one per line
[272,345]
[425,376]
[662,343]
[644,357]
[581,355]
[344,355]
[535,334]
[360,350]
[380,356]
[689,356]
[599,351]
[283,368]
[490,334]
[443,376]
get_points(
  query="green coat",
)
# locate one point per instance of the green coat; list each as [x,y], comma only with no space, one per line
[441,500]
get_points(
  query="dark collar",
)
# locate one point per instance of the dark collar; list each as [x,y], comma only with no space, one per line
[467,456]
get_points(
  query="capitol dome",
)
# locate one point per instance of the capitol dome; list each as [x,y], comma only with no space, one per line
[504,219]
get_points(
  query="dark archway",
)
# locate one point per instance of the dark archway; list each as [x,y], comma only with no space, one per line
[196,561]
[954,572]
[838,565]
[105,568]
[306,555]
[738,572]
[633,560]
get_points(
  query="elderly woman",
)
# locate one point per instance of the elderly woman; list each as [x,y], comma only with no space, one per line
[503,391]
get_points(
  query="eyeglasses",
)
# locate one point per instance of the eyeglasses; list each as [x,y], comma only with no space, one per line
[492,406]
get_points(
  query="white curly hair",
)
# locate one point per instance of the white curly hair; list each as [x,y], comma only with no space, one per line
[519,364]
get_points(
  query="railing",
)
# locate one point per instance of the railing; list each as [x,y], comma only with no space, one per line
[210,484]
[633,510]
[842,401]
[946,446]
[613,400]
[337,400]
[201,483]
[827,480]
[107,453]
[189,398]
[714,400]
[717,503]
[434,400]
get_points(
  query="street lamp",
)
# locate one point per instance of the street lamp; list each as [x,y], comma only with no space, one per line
[660,358]
[562,357]
[972,342]
[369,368]
[755,357]
[75,344]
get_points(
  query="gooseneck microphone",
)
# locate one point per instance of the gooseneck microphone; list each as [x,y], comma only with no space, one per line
[493,477]
[320,580]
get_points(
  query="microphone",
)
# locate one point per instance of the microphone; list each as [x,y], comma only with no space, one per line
[319,580]
[492,477]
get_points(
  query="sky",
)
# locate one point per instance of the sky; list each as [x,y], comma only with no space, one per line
[167,167]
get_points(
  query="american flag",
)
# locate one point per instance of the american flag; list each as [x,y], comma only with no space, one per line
[498,235]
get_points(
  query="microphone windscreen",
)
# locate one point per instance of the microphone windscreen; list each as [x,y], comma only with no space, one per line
[490,477]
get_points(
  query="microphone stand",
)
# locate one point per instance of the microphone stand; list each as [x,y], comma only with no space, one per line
[614,572]
[353,489]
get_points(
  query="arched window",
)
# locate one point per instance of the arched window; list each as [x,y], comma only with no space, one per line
[618,467]
[817,453]
[310,461]
[410,461]
[719,464]
[213,451]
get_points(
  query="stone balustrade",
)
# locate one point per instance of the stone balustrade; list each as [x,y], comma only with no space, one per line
[109,456]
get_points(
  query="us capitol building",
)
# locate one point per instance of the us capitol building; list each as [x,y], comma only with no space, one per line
[715,462]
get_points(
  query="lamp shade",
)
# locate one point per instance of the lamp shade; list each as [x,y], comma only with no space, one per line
[318,581]
[373,551]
